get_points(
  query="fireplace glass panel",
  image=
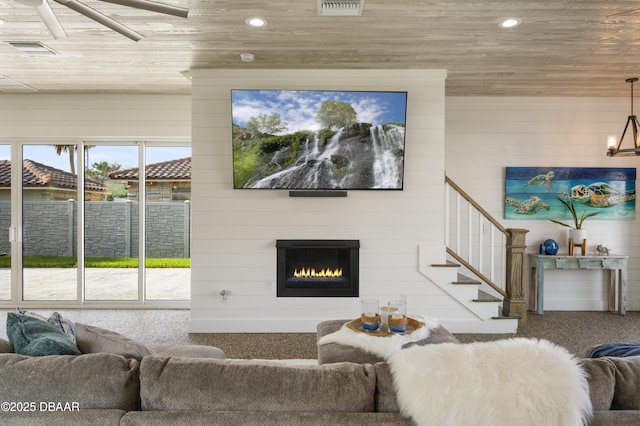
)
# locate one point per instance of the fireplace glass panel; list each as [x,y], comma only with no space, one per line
[318,268]
[307,267]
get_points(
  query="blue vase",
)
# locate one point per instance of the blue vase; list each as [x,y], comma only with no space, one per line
[549,247]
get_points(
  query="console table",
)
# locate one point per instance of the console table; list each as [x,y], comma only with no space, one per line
[616,266]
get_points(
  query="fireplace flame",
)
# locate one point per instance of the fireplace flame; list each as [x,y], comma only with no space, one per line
[323,273]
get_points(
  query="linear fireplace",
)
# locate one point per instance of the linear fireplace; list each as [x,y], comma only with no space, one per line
[318,268]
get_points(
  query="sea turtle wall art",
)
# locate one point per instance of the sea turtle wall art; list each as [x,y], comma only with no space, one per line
[533,192]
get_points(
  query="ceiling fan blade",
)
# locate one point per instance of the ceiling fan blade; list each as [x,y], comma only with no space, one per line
[152,6]
[48,17]
[101,18]
[50,20]
[626,12]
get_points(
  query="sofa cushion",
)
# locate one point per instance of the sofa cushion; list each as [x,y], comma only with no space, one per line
[386,396]
[92,339]
[31,336]
[190,351]
[601,375]
[335,352]
[62,418]
[262,418]
[212,384]
[94,381]
[5,347]
[627,388]
[615,418]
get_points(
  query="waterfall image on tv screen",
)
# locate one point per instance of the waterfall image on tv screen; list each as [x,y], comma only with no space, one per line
[318,140]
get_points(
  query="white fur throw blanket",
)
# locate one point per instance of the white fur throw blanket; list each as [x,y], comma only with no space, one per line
[500,383]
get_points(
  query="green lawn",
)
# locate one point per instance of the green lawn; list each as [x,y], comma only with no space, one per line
[96,262]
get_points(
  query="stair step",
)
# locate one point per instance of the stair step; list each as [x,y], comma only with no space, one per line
[462,279]
[449,264]
[502,317]
[483,296]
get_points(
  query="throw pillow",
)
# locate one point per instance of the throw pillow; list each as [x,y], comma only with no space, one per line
[30,314]
[92,339]
[34,337]
[64,324]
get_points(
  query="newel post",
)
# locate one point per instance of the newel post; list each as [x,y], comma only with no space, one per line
[515,305]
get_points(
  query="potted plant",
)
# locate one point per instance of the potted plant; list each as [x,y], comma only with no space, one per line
[576,233]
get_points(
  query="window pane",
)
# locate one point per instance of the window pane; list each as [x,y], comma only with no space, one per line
[5,222]
[49,209]
[111,225]
[168,223]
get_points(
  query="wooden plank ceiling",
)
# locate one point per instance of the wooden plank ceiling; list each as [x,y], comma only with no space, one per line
[562,48]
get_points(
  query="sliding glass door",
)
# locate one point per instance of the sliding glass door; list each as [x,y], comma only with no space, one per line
[122,241]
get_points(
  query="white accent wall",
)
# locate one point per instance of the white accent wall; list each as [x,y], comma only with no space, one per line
[235,231]
[94,116]
[485,135]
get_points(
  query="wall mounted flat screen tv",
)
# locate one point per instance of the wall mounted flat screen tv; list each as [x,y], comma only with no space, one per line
[318,140]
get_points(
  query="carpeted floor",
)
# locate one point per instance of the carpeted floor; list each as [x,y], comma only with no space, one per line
[576,331]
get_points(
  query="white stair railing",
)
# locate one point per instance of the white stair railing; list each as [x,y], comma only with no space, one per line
[491,252]
[477,240]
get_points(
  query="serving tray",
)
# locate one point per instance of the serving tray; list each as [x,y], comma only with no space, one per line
[412,325]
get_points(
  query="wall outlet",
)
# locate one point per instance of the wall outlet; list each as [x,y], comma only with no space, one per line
[268,284]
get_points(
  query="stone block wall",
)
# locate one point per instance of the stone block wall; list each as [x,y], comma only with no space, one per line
[111,228]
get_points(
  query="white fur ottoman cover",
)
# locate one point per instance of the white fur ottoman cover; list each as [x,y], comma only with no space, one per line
[504,382]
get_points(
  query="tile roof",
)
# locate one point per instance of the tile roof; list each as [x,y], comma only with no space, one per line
[38,175]
[167,170]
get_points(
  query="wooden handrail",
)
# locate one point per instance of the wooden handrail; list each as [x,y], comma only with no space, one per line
[476,205]
[476,272]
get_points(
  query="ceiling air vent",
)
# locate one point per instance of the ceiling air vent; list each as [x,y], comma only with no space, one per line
[33,48]
[340,7]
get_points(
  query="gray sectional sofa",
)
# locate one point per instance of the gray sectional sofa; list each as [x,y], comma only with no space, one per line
[110,389]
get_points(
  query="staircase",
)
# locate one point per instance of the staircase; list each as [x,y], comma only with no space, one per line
[480,266]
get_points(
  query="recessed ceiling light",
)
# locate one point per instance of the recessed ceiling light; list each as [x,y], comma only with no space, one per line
[256,22]
[2,22]
[509,22]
